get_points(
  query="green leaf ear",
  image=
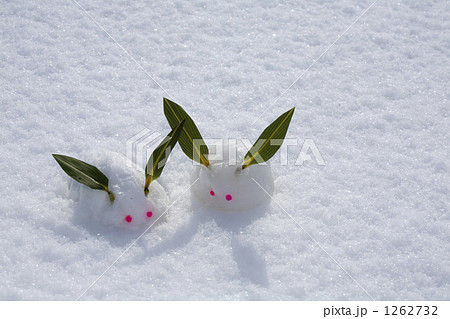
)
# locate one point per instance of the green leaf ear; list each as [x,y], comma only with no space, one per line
[190,140]
[159,157]
[264,149]
[84,173]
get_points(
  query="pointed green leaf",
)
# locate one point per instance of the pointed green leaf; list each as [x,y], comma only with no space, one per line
[84,173]
[190,140]
[269,141]
[160,155]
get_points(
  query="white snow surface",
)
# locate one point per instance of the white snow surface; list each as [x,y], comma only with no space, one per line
[371,223]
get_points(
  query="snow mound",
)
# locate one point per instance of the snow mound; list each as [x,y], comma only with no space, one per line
[223,186]
[131,208]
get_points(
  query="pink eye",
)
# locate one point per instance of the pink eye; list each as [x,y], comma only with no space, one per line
[128,219]
[228,197]
[149,214]
[212,193]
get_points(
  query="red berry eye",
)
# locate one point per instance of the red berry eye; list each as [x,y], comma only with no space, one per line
[212,193]
[228,197]
[149,214]
[128,219]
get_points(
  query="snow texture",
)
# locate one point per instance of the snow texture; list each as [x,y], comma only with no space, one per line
[371,223]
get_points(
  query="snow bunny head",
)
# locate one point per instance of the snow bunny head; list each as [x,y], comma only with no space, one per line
[127,198]
[130,208]
[233,183]
[223,185]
